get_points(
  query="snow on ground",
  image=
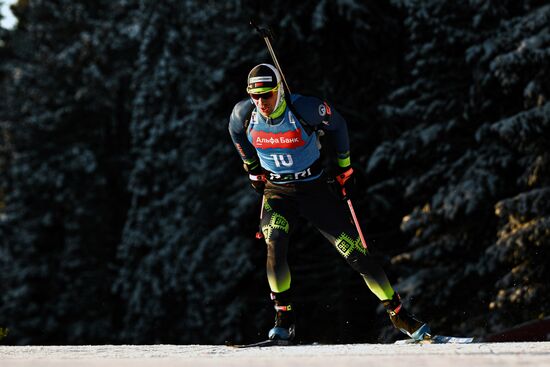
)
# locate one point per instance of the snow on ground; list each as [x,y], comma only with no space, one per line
[347,355]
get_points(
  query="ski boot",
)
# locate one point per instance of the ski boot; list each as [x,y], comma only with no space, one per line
[404,321]
[284,319]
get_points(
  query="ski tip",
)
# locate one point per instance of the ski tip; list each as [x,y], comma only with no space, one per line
[438,339]
[441,339]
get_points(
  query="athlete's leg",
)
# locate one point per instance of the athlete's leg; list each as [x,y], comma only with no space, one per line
[277,221]
[331,216]
[279,213]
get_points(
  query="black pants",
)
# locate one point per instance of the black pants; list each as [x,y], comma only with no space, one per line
[317,203]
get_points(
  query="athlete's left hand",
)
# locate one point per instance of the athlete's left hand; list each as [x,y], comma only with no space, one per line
[256,177]
[346,179]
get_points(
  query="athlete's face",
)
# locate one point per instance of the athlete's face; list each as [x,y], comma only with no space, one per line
[265,101]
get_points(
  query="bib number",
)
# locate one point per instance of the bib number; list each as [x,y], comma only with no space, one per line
[281,160]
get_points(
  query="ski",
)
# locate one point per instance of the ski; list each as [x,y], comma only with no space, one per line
[438,339]
[264,343]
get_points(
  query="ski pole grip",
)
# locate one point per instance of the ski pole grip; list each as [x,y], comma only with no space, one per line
[264,32]
[342,178]
[260,177]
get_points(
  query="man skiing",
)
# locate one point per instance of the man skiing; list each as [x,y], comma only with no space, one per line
[275,135]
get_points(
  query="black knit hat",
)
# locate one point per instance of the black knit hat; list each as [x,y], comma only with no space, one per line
[263,78]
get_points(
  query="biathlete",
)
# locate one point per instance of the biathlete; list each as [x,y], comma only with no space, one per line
[276,137]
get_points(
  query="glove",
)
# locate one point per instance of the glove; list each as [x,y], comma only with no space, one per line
[347,182]
[256,176]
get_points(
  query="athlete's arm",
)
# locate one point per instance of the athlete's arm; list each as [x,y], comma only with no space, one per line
[237,130]
[322,115]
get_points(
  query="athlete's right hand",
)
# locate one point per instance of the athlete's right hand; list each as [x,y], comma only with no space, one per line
[257,182]
[346,179]
[256,176]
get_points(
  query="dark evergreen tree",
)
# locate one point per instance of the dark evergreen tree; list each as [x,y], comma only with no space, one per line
[182,254]
[6,68]
[515,91]
[453,165]
[65,183]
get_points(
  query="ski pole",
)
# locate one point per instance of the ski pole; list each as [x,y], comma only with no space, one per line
[341,180]
[259,234]
[356,222]
[266,35]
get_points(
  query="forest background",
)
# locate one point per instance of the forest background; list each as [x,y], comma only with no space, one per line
[126,217]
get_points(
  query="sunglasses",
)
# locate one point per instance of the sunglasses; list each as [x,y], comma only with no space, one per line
[265,95]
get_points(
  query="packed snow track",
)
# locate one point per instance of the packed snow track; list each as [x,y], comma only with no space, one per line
[348,355]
